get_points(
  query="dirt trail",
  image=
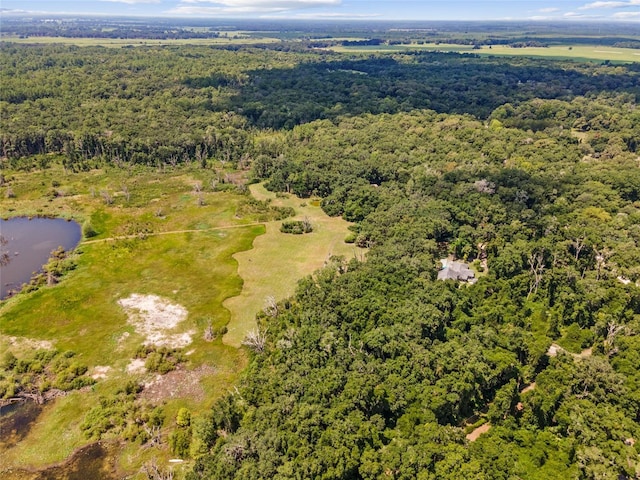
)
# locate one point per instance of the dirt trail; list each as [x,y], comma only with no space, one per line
[473,436]
[552,352]
[170,232]
[528,388]
[555,348]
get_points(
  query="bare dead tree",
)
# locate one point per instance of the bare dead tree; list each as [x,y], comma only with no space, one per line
[106,197]
[154,433]
[613,330]
[127,193]
[578,244]
[154,472]
[536,267]
[306,225]
[208,332]
[4,255]
[602,256]
[256,340]
[270,306]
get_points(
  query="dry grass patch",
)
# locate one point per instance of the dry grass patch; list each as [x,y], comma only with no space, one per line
[278,260]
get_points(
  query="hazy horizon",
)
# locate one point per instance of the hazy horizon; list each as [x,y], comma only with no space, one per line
[402,10]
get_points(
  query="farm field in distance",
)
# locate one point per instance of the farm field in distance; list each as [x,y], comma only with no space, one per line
[563,52]
[125,42]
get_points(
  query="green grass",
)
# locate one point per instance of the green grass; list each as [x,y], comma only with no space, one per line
[564,52]
[220,270]
[195,269]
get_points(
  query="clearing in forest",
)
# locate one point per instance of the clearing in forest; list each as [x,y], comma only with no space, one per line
[278,260]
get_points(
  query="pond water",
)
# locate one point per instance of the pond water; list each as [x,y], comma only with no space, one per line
[29,243]
[97,461]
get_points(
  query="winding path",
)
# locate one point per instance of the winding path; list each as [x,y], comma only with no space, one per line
[170,232]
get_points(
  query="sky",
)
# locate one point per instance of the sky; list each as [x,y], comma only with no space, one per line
[542,10]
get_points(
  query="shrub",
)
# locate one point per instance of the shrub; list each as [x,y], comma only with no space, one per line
[296,227]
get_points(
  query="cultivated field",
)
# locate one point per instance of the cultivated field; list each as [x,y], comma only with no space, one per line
[137,42]
[575,52]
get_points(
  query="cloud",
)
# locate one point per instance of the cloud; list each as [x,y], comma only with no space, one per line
[571,15]
[238,7]
[610,4]
[549,10]
[132,2]
[267,4]
[626,15]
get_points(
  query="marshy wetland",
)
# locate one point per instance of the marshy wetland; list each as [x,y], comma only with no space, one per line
[153,267]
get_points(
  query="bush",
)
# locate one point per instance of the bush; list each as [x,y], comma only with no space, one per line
[296,227]
[88,231]
[159,359]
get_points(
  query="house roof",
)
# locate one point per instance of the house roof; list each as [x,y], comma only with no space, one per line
[454,270]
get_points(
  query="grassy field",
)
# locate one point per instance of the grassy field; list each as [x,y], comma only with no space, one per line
[137,42]
[569,52]
[195,270]
[279,260]
[194,249]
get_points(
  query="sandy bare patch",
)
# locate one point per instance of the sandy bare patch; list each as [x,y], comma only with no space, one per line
[29,343]
[179,383]
[100,371]
[136,366]
[153,316]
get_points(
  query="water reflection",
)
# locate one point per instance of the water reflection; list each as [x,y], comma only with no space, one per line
[27,245]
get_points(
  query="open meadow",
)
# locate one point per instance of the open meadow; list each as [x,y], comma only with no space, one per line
[165,247]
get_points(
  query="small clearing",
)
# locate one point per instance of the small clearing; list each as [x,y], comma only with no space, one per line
[179,383]
[277,260]
[153,317]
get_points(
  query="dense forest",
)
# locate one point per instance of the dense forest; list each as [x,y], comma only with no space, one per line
[373,368]
[527,169]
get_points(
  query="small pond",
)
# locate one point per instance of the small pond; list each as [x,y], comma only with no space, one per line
[29,243]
